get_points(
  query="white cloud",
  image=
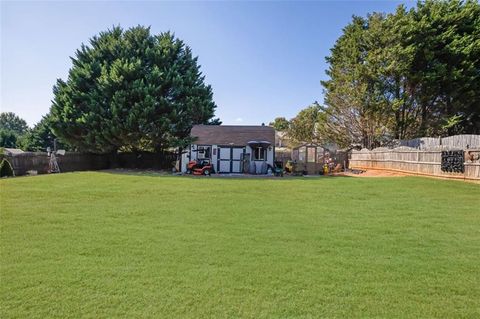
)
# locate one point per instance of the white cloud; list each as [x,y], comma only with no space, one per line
[239,120]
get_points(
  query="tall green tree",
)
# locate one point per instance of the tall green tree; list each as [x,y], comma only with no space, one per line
[357,113]
[131,90]
[407,74]
[445,72]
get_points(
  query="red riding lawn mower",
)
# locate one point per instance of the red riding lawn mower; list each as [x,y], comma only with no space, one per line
[199,167]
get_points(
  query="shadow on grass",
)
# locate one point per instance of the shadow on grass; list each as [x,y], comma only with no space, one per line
[165,173]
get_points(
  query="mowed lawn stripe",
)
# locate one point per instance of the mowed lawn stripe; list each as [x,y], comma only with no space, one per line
[97,244]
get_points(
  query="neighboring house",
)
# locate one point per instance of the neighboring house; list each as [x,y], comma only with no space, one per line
[232,148]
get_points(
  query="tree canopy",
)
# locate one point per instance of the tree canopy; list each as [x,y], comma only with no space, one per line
[407,74]
[280,124]
[11,122]
[41,136]
[131,90]
[307,125]
[8,139]
[12,130]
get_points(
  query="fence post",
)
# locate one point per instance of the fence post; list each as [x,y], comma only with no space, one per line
[418,162]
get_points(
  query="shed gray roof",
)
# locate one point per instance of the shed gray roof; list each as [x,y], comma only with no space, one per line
[237,135]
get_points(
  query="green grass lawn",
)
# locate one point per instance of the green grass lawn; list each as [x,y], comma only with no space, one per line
[115,245]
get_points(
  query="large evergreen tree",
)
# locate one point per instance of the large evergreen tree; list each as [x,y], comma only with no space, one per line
[131,90]
[356,109]
[445,71]
[407,74]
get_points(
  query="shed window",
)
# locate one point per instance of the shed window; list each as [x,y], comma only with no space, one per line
[311,154]
[203,152]
[301,154]
[319,155]
[259,154]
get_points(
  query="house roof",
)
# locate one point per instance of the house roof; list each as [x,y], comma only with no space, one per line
[236,135]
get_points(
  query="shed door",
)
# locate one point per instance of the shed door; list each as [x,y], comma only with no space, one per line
[224,159]
[237,159]
[229,159]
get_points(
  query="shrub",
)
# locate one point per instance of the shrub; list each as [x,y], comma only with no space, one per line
[6,169]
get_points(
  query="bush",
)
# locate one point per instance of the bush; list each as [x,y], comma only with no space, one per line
[6,169]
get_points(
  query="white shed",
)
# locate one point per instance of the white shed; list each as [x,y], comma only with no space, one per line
[232,148]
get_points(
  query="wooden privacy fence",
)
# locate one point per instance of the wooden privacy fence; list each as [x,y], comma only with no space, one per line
[72,161]
[461,141]
[415,161]
[39,162]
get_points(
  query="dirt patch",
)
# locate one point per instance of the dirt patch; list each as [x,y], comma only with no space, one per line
[377,173]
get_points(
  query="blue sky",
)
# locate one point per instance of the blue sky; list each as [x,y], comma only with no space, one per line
[263,59]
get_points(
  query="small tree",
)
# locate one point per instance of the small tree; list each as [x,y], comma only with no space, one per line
[307,125]
[280,124]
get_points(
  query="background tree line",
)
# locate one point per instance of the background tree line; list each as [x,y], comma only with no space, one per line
[403,75]
[15,133]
